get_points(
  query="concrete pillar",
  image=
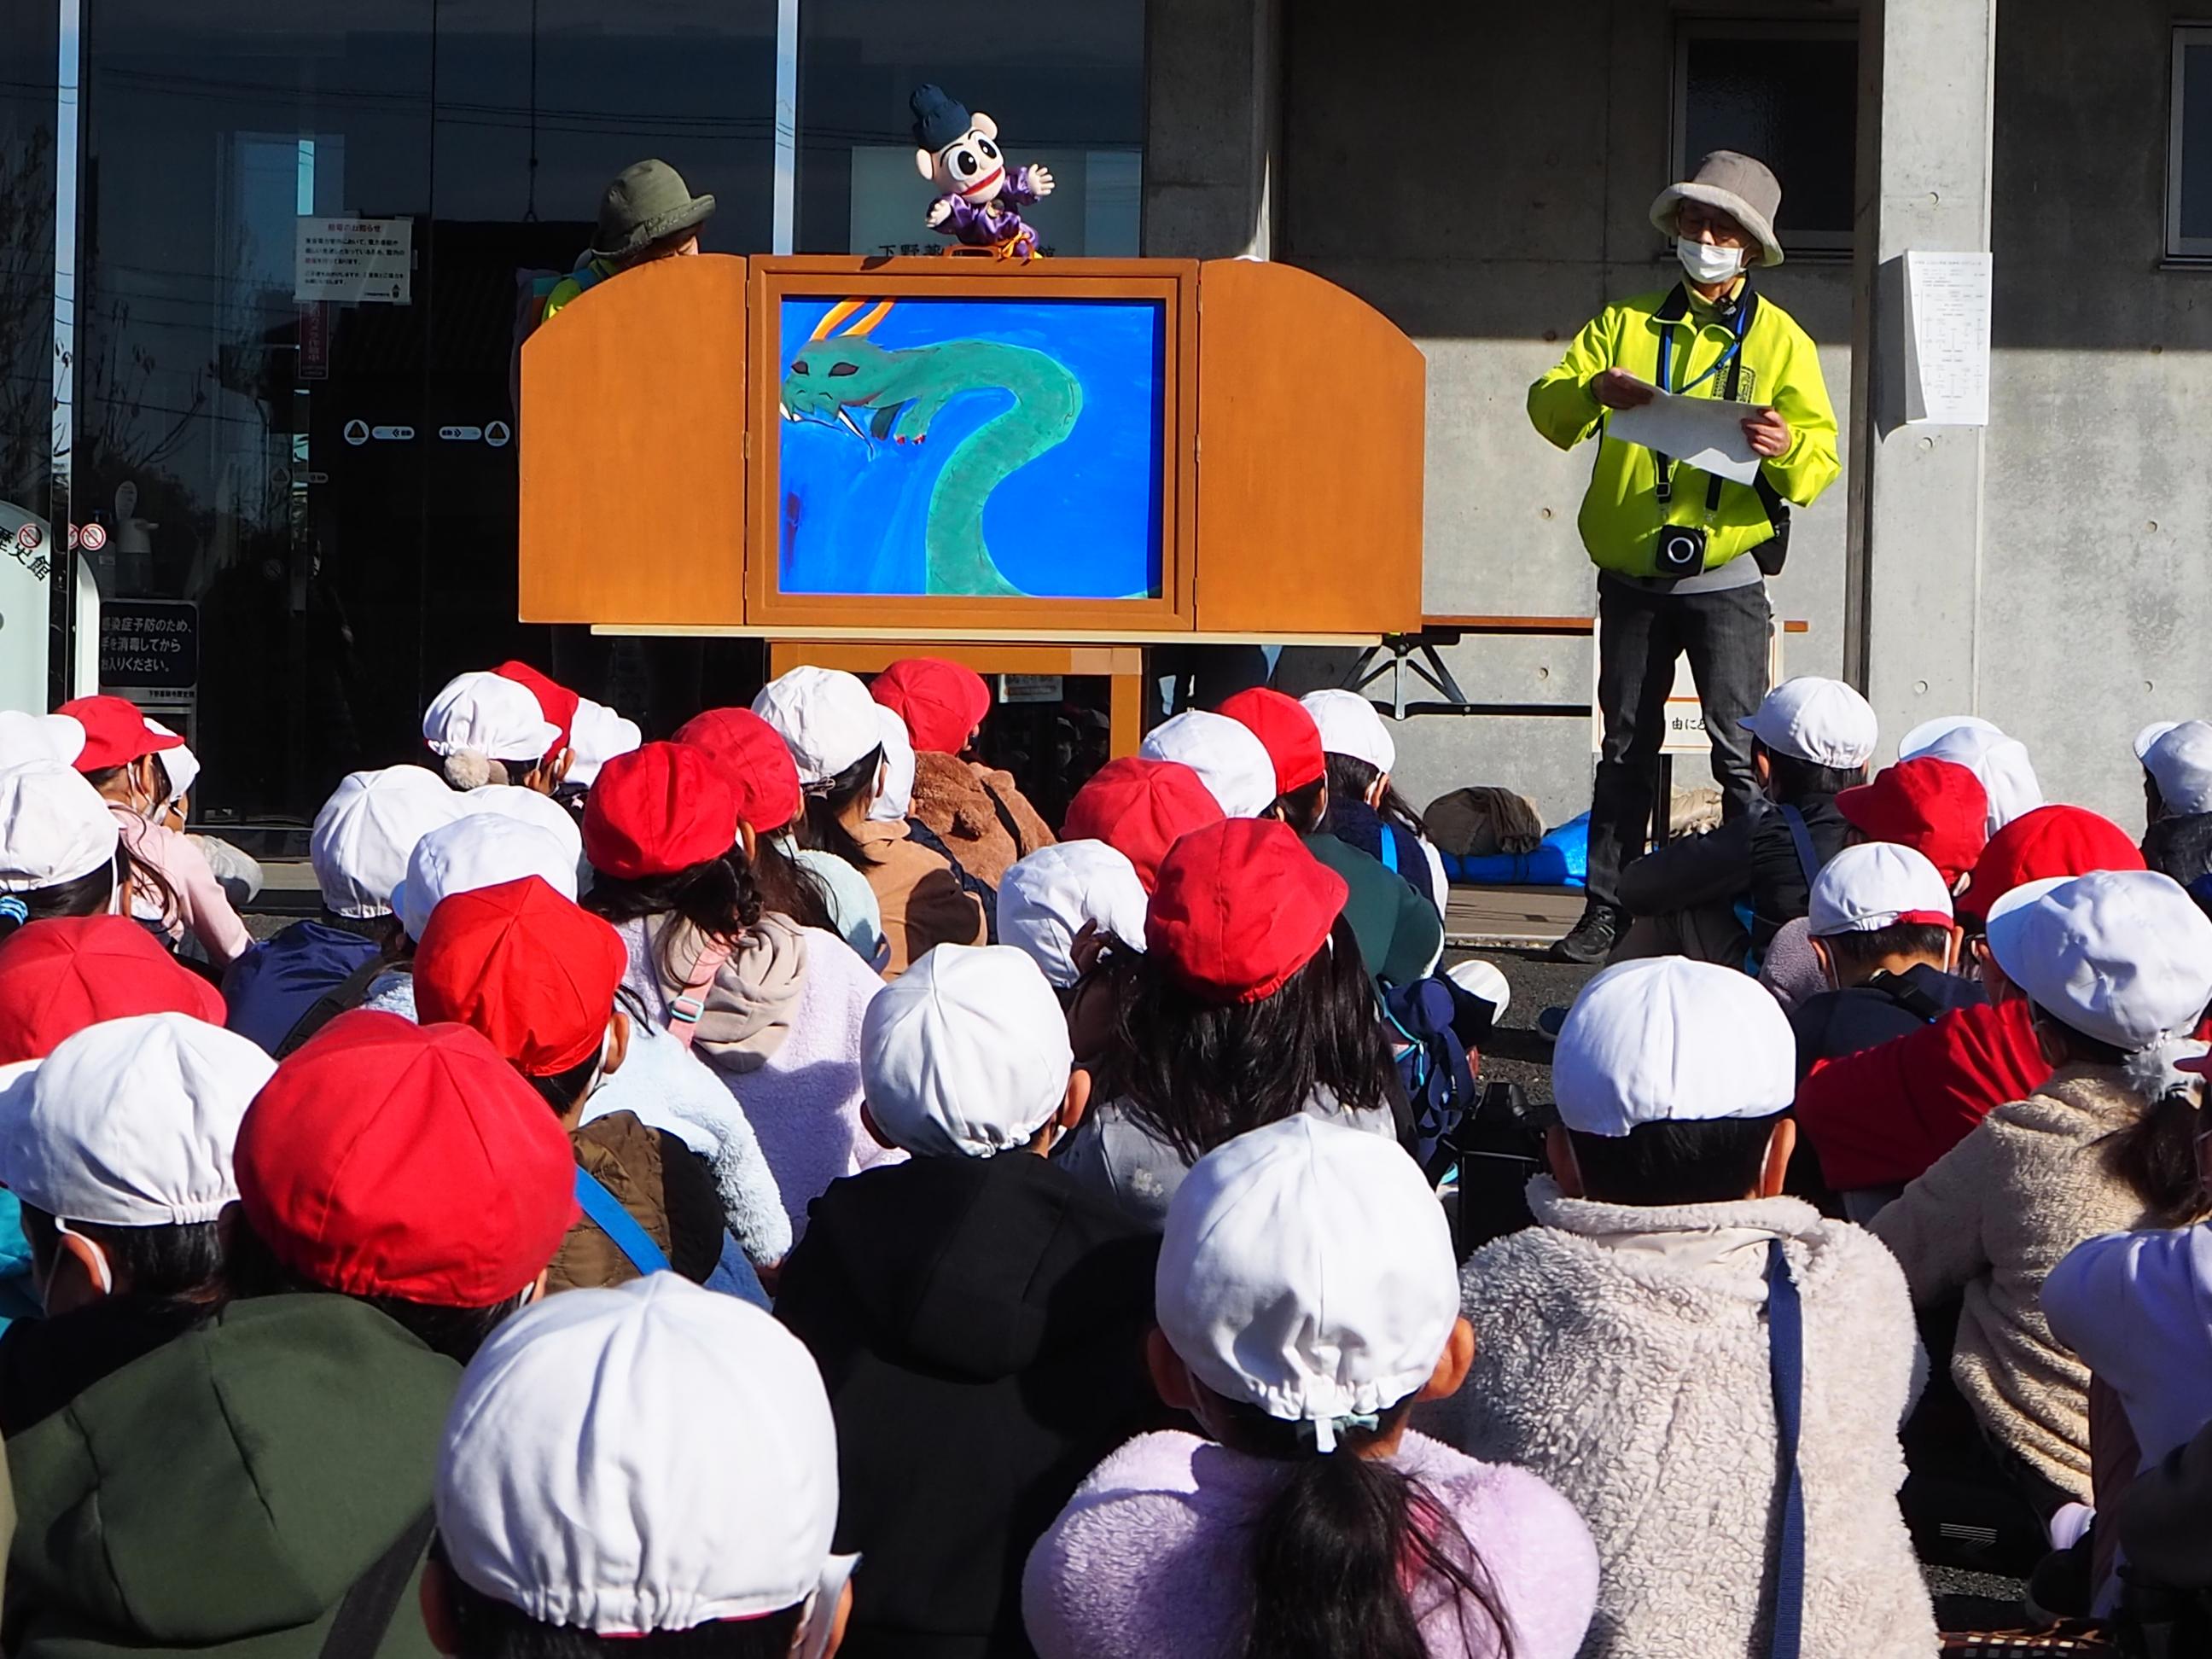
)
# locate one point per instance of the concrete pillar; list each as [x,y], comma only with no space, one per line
[1912,597]
[1213,69]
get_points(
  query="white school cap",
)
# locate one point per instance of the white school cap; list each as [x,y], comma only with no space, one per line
[1485,980]
[2122,956]
[2180,763]
[1045,899]
[653,1457]
[38,737]
[1823,721]
[898,799]
[2027,893]
[966,1054]
[825,716]
[1307,1269]
[1877,884]
[367,831]
[597,734]
[179,765]
[54,827]
[1667,1040]
[481,850]
[2150,734]
[1232,762]
[487,713]
[1350,725]
[130,1123]
[526,805]
[2007,776]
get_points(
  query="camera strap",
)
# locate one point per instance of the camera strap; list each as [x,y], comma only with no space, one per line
[1671,312]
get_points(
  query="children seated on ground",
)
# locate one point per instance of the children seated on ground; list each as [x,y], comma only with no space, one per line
[1140,808]
[775,1009]
[1233,763]
[172,888]
[539,978]
[1249,1003]
[2001,763]
[484,728]
[1811,741]
[400,1191]
[1400,933]
[2116,969]
[979,1316]
[1064,906]
[60,976]
[1881,928]
[983,819]
[696,1519]
[362,839]
[1306,1302]
[1364,807]
[829,722]
[117,1146]
[1879,1118]
[1626,1344]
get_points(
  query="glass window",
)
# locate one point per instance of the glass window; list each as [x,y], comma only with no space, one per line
[27,173]
[2189,148]
[1788,94]
[1064,82]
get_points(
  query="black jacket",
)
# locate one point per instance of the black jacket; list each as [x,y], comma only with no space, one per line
[1835,1024]
[47,1363]
[981,1325]
[1755,855]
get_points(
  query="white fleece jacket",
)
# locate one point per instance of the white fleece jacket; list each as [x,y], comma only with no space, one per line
[1621,1354]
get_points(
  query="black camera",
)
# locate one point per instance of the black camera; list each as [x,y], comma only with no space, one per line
[1681,550]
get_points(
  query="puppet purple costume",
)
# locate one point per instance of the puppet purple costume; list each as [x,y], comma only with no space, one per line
[959,152]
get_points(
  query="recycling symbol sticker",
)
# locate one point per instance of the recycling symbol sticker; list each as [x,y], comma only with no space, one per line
[356,432]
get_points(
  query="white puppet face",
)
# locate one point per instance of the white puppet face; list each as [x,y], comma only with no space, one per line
[970,167]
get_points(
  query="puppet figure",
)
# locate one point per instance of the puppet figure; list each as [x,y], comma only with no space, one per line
[981,201]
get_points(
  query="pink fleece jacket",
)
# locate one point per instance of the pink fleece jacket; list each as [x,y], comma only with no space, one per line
[1148,1559]
[202,905]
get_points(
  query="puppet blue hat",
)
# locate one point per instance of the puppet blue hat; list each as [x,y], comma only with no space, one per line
[938,120]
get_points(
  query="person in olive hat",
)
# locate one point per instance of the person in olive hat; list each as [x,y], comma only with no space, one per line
[647,213]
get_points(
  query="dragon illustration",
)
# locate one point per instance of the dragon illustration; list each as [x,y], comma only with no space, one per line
[896,394]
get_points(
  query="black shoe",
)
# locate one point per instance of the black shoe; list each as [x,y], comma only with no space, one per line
[1594,937]
[1550,1022]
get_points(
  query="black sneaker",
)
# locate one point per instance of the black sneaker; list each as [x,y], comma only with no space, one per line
[1594,937]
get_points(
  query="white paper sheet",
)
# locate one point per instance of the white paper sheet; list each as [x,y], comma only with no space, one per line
[1947,300]
[1707,433]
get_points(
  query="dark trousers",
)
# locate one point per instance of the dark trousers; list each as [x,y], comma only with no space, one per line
[1640,635]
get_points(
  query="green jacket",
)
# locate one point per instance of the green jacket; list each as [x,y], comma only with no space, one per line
[1621,512]
[221,1495]
[1398,932]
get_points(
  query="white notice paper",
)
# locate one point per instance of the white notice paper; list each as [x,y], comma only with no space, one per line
[1707,433]
[353,261]
[1946,338]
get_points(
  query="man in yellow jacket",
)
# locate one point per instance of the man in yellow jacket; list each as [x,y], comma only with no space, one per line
[1682,554]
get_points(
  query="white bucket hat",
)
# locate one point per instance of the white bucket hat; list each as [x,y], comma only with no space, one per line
[897,801]
[2007,776]
[130,1123]
[2180,762]
[1821,721]
[966,1054]
[1741,187]
[2150,734]
[1306,1268]
[2122,956]
[481,850]
[486,714]
[1230,762]
[654,1457]
[54,827]
[1876,884]
[825,716]
[367,831]
[1350,726]
[1045,899]
[1667,1040]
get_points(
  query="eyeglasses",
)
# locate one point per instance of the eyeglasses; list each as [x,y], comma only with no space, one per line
[1696,223]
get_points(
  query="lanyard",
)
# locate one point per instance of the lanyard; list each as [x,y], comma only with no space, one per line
[1667,352]
[1731,359]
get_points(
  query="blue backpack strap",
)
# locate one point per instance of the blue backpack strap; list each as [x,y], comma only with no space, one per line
[1808,859]
[604,1211]
[1785,1359]
[1390,848]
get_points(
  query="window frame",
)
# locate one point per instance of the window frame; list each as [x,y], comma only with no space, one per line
[1808,246]
[2180,249]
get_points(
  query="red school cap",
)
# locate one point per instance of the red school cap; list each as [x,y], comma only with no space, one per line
[555,701]
[1286,730]
[1140,808]
[1936,807]
[941,702]
[756,763]
[659,809]
[2051,840]
[115,732]
[529,970]
[1241,906]
[59,975]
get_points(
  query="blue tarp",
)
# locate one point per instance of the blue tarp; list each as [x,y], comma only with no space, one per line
[1561,860]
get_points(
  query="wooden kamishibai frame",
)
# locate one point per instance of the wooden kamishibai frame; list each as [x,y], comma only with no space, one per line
[1287,479]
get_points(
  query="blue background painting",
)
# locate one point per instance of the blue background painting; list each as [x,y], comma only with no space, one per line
[1081,521]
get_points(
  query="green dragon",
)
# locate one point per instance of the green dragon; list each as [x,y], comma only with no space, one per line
[900,393]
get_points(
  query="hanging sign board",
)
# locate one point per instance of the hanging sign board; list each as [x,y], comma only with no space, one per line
[353,261]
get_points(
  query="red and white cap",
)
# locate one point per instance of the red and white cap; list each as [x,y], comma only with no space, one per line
[481,850]
[1821,721]
[1350,725]
[179,765]
[1232,762]
[966,1054]
[115,733]
[367,831]
[1046,899]
[1877,884]
[825,716]
[54,827]
[38,737]
[487,713]
[598,734]
[2122,956]
[2001,762]
[2180,763]
[581,1483]
[1306,1268]
[130,1123]
[1666,1040]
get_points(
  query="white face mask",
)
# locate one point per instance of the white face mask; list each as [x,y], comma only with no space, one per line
[1705,263]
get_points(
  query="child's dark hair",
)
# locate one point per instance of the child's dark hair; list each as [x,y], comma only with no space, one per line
[2155,1155]
[1334,1548]
[250,1268]
[180,1261]
[1675,1162]
[1797,780]
[565,1091]
[489,1628]
[1197,1073]
[788,887]
[1305,809]
[1857,955]
[720,898]
[823,827]
[89,894]
[1350,779]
